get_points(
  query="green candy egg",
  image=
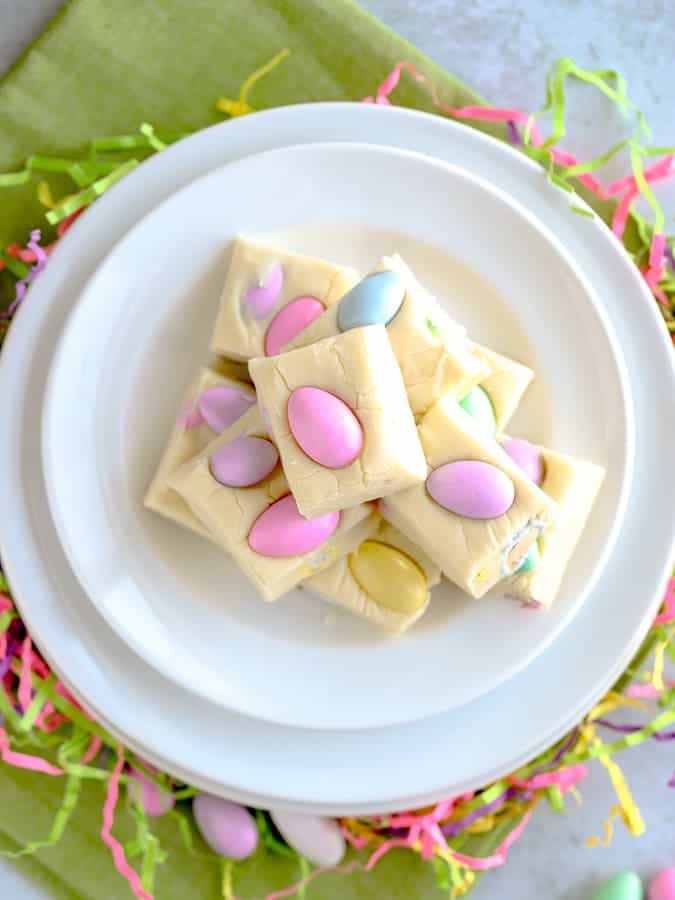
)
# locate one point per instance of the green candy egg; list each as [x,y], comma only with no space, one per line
[478,404]
[530,561]
[626,886]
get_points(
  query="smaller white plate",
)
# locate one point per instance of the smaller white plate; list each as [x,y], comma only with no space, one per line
[141,330]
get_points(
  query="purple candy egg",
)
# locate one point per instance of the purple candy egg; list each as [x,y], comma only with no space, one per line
[221,406]
[527,457]
[228,829]
[471,488]
[244,461]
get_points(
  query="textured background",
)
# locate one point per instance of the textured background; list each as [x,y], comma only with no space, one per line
[503,50]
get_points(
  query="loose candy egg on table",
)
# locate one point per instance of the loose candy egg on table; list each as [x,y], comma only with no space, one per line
[373,301]
[221,406]
[154,800]
[229,829]
[317,838]
[472,488]
[527,457]
[662,887]
[389,576]
[324,427]
[626,886]
[281,531]
[479,406]
[290,321]
[244,461]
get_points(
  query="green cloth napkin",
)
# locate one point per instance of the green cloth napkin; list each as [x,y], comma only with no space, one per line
[103,67]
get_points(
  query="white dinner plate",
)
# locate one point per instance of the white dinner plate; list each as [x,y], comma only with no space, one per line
[360,771]
[138,337]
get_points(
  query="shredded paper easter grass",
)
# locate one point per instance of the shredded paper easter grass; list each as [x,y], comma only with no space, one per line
[43,729]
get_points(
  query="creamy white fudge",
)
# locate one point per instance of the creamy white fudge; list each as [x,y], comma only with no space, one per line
[262,282]
[477,515]
[386,580]
[191,433]
[504,384]
[432,351]
[574,485]
[340,390]
[229,514]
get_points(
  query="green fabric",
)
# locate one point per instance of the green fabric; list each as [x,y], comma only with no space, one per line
[103,67]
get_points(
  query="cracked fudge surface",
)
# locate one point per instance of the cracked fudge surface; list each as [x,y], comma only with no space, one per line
[189,435]
[261,284]
[229,514]
[432,351]
[359,368]
[473,552]
[505,383]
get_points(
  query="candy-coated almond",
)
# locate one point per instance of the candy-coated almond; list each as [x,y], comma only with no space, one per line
[221,406]
[228,829]
[478,405]
[472,488]
[244,461]
[373,301]
[389,576]
[317,838]
[626,886]
[527,457]
[289,322]
[281,531]
[325,427]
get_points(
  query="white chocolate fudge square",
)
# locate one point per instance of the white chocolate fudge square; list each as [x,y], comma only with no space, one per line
[386,580]
[432,351]
[574,485]
[490,513]
[191,433]
[262,282]
[504,384]
[358,368]
[230,513]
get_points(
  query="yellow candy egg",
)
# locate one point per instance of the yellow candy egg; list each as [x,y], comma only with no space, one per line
[389,576]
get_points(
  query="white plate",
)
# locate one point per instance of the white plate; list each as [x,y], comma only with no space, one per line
[138,336]
[327,772]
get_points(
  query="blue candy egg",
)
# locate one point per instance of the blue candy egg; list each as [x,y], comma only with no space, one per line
[373,301]
[530,561]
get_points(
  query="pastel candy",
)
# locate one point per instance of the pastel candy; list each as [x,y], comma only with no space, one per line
[281,531]
[324,426]
[228,829]
[290,321]
[389,576]
[261,298]
[527,456]
[478,405]
[373,301]
[626,886]
[471,488]
[220,407]
[317,838]
[244,461]
[155,801]
[530,562]
[663,886]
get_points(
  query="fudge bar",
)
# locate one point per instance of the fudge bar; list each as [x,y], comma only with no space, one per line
[477,514]
[238,490]
[495,398]
[338,413]
[270,295]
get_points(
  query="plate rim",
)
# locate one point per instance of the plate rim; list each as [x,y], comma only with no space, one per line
[412,128]
[60,385]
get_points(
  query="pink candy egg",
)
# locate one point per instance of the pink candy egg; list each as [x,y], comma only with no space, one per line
[228,829]
[261,297]
[220,407]
[663,886]
[471,488]
[244,461]
[527,457]
[289,322]
[280,530]
[155,801]
[325,427]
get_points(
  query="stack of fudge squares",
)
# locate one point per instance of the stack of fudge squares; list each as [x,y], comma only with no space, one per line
[368,458]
